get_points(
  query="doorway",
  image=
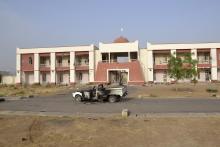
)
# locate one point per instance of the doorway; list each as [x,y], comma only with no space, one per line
[118,77]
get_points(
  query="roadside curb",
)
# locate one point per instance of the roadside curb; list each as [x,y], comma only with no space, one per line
[132,115]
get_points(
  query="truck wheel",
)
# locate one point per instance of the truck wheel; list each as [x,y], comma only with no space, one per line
[112,98]
[78,98]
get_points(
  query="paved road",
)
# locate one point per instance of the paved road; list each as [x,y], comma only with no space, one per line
[64,104]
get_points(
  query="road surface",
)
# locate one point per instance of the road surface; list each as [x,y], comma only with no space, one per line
[65,104]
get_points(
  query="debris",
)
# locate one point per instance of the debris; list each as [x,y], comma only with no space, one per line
[24,139]
[214,95]
[2,99]
[30,96]
[125,113]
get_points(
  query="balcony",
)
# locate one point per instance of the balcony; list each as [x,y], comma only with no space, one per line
[44,67]
[122,57]
[160,62]
[44,62]
[204,60]
[62,66]
[204,63]
[82,65]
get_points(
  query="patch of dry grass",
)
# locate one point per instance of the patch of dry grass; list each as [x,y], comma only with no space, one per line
[18,90]
[99,132]
[187,90]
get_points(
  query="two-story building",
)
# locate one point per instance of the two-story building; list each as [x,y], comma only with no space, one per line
[207,55]
[57,65]
[119,61]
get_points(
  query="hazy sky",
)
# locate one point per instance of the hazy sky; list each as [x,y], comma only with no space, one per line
[44,23]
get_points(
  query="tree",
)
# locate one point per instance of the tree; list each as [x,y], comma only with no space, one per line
[175,68]
[180,69]
[190,70]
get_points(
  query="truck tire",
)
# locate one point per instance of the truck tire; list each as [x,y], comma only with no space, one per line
[78,98]
[112,98]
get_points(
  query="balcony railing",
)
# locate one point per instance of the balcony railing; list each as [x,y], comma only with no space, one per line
[62,65]
[116,61]
[162,62]
[204,61]
[44,65]
[81,63]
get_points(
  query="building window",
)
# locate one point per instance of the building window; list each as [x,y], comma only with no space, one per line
[60,60]
[80,76]
[44,77]
[30,60]
[61,78]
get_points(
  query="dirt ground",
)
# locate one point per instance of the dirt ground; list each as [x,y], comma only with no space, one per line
[36,90]
[35,131]
[184,90]
[187,90]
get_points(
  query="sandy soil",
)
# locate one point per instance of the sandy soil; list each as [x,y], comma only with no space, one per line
[187,90]
[33,131]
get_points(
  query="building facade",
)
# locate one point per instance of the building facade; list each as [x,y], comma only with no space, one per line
[118,62]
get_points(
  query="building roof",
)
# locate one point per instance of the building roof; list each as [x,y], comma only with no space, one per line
[121,39]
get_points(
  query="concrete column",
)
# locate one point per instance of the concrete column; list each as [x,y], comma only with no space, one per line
[72,68]
[36,69]
[194,57]
[53,68]
[150,66]
[91,66]
[194,53]
[173,52]
[109,58]
[214,69]
[18,68]
[129,56]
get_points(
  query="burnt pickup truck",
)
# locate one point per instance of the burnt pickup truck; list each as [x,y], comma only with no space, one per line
[100,93]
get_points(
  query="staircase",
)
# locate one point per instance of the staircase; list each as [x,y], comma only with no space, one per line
[135,71]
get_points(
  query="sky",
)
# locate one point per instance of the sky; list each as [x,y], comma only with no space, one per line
[49,23]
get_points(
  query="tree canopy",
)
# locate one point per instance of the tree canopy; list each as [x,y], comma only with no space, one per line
[182,68]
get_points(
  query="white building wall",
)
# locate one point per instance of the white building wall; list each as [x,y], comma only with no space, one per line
[144,62]
[98,58]
[91,66]
[8,79]
[194,54]
[72,67]
[18,67]
[36,68]
[150,66]
[118,47]
[53,67]
[214,69]
[173,52]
